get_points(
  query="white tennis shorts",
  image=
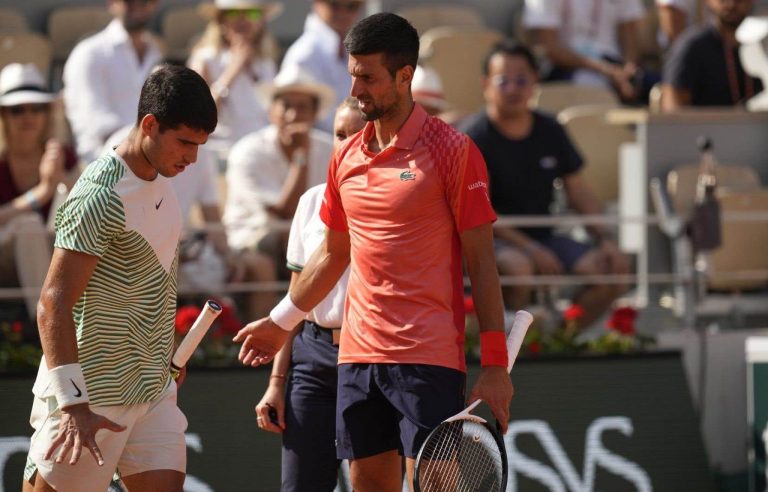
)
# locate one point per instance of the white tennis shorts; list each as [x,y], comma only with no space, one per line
[153,440]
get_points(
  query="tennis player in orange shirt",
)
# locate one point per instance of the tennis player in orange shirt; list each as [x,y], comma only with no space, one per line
[406,200]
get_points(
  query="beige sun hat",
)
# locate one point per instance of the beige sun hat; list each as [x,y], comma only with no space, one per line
[271,9]
[23,84]
[293,78]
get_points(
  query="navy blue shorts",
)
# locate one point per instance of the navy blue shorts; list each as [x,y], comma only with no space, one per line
[309,461]
[382,407]
[566,249]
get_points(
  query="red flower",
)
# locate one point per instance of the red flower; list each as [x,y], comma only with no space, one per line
[17,327]
[534,347]
[573,313]
[469,304]
[228,322]
[185,318]
[623,320]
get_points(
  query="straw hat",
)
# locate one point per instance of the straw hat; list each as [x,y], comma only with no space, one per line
[211,9]
[293,78]
[427,88]
[23,84]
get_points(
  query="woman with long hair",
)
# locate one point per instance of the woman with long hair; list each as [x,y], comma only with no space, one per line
[235,55]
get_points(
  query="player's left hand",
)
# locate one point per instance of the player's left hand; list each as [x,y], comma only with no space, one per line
[495,388]
[262,339]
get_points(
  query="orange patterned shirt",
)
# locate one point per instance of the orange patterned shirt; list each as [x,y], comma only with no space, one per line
[404,208]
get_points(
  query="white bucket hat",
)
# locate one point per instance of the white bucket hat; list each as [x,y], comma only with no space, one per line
[23,84]
[294,79]
[427,88]
[271,9]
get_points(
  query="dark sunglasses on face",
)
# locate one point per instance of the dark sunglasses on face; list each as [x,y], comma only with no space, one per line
[27,108]
[348,6]
[250,14]
[503,82]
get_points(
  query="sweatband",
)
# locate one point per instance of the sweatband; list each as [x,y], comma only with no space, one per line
[68,385]
[286,315]
[493,349]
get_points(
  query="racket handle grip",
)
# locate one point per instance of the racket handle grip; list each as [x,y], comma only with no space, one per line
[200,327]
[522,321]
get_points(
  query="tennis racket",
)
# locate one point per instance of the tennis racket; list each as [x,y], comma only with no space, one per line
[464,453]
[195,335]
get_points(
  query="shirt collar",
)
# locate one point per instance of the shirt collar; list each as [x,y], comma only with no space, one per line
[407,135]
[328,38]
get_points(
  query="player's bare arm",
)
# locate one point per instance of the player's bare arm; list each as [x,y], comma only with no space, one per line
[67,279]
[493,385]
[263,338]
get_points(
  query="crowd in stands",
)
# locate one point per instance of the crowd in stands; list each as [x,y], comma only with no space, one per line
[276,110]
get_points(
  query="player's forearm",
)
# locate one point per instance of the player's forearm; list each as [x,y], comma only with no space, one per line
[320,275]
[57,330]
[477,245]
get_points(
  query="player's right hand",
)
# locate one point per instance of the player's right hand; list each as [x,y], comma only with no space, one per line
[262,339]
[78,428]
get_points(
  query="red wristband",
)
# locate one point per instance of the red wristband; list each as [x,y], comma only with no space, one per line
[493,349]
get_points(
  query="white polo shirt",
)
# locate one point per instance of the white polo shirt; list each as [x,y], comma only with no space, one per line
[102,78]
[307,233]
[256,171]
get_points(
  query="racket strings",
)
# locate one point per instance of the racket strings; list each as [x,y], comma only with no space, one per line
[460,456]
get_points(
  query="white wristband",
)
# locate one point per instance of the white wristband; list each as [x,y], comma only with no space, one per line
[68,384]
[286,315]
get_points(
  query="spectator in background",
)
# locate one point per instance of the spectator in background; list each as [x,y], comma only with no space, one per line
[306,410]
[525,152]
[704,67]
[320,49]
[34,160]
[234,57]
[590,42]
[104,74]
[675,16]
[267,171]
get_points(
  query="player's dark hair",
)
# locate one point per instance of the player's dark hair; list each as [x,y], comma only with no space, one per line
[510,47]
[388,34]
[177,95]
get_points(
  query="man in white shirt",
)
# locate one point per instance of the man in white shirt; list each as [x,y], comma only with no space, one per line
[268,170]
[104,74]
[320,50]
[590,42]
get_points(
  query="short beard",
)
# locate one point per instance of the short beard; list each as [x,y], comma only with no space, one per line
[373,115]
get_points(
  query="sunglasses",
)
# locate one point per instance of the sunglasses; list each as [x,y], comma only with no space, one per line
[348,6]
[503,82]
[250,14]
[27,108]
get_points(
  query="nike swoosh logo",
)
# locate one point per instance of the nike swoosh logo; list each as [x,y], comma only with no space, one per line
[157,205]
[79,393]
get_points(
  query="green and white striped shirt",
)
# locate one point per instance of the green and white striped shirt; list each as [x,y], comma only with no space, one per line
[125,317]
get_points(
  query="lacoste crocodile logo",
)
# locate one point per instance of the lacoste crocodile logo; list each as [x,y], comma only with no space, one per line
[407,176]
